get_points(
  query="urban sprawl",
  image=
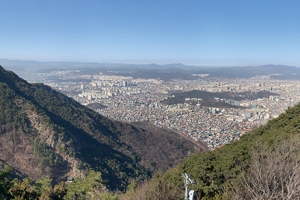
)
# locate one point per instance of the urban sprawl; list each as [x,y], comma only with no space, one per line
[139,100]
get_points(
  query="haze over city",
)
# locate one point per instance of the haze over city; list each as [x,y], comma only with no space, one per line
[172,99]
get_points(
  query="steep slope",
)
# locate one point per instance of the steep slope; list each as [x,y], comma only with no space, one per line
[43,132]
[216,172]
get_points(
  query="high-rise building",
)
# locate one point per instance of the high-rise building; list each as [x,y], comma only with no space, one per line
[124,83]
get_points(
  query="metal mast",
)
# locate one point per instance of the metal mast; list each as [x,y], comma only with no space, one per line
[188,195]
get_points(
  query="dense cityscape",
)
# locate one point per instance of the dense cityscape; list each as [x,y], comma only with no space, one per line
[139,100]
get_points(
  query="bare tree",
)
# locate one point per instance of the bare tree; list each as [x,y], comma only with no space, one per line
[274,173]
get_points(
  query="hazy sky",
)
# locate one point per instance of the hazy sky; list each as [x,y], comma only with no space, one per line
[202,32]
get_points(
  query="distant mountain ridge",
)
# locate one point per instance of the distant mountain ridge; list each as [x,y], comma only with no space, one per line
[166,72]
[250,71]
[44,132]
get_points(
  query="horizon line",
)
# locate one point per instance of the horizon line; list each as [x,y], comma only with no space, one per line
[140,63]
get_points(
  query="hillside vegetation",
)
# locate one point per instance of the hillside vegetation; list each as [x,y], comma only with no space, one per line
[45,133]
[263,164]
[220,173]
[208,98]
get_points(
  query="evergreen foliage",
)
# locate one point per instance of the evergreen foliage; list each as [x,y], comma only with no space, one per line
[5,183]
[59,129]
[69,120]
[86,188]
[46,155]
[96,141]
[216,172]
[83,188]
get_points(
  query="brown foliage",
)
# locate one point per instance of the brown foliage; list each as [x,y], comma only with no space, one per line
[154,189]
[273,173]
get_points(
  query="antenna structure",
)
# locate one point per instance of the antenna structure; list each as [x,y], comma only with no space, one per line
[188,195]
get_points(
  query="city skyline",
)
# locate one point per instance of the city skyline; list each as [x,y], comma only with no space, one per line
[211,33]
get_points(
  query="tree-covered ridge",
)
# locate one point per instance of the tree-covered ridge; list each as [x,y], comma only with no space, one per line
[56,136]
[36,120]
[218,173]
[72,123]
[10,113]
[208,98]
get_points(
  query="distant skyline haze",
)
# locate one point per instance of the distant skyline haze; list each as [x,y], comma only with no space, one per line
[225,33]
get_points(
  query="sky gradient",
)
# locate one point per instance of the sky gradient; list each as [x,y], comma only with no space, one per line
[198,32]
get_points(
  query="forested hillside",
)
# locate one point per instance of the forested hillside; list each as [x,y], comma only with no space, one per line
[43,132]
[225,173]
[47,136]
[46,133]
